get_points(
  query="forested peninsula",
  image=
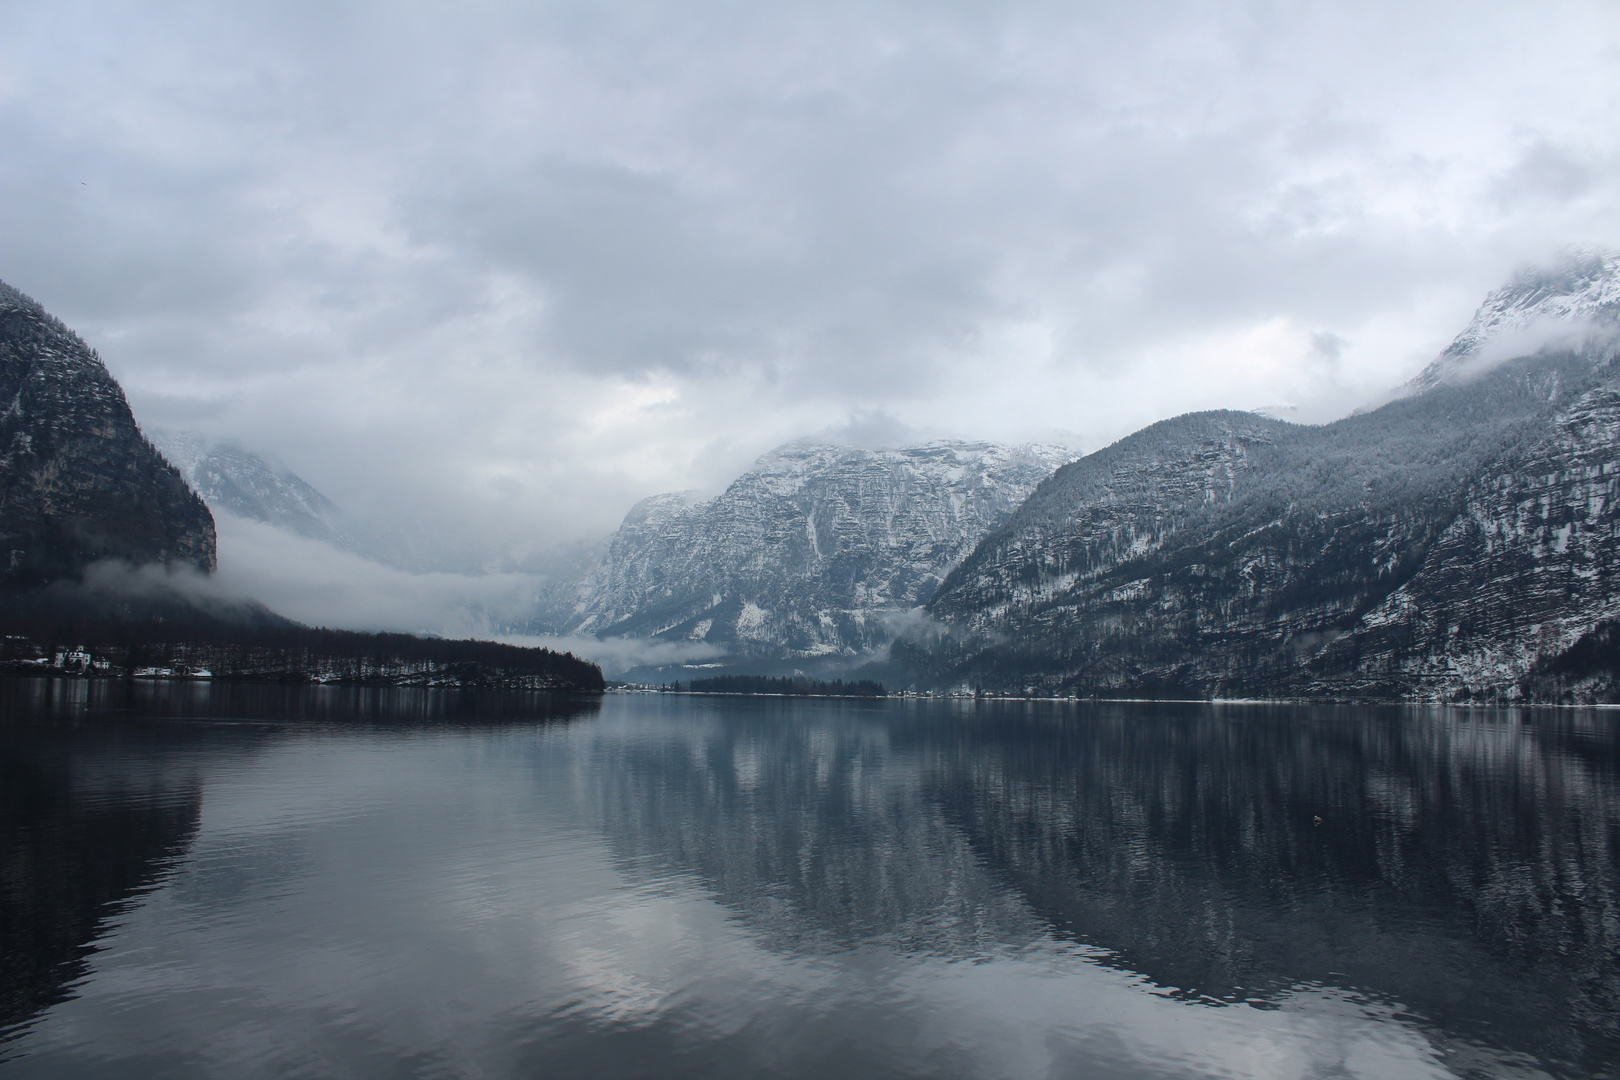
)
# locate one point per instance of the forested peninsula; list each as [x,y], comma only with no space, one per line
[281,653]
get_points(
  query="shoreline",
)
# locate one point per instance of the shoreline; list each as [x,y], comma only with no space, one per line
[946,696]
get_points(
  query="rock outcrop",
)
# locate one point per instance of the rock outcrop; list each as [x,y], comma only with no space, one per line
[78,480]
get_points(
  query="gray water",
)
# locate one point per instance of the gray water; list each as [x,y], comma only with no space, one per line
[230,881]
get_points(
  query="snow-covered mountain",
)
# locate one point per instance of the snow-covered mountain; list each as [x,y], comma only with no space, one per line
[238,482]
[1460,542]
[812,552]
[1575,296]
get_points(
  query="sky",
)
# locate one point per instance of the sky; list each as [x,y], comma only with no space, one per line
[487,273]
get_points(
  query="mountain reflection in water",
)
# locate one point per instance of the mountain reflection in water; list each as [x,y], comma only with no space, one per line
[253,881]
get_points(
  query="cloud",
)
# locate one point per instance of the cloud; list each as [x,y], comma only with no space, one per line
[871,429]
[488,276]
[156,581]
[1545,171]
[1547,333]
[1328,346]
[318,584]
[617,655]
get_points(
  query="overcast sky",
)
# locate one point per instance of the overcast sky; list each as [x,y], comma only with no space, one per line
[497,270]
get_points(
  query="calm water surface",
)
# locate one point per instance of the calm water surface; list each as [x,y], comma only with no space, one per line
[228,881]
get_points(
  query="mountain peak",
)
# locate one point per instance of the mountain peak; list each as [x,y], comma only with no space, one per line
[1563,298]
[811,551]
[655,508]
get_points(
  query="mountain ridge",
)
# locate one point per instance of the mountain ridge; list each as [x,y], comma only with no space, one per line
[809,553]
[1440,546]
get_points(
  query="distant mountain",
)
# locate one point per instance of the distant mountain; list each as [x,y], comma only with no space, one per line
[1453,544]
[559,575]
[238,482]
[812,552]
[78,481]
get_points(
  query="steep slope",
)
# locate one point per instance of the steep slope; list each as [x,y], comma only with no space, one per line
[78,481]
[811,552]
[1438,547]
[235,481]
[1527,566]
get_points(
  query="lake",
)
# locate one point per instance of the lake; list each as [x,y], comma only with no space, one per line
[204,880]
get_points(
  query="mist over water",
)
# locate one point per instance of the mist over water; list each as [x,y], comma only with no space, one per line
[203,880]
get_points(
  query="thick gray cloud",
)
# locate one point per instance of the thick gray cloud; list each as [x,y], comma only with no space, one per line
[487,273]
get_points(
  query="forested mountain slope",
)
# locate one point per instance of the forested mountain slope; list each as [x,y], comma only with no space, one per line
[78,481]
[1440,547]
[809,553]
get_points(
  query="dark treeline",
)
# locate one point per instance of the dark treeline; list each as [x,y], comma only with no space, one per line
[1594,660]
[764,684]
[274,649]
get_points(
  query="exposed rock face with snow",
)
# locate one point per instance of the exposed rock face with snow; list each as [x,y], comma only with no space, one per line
[235,481]
[1455,543]
[1578,294]
[810,553]
[78,480]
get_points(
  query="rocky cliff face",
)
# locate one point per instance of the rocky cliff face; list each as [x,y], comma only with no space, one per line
[1440,547]
[235,481]
[78,481]
[811,552]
